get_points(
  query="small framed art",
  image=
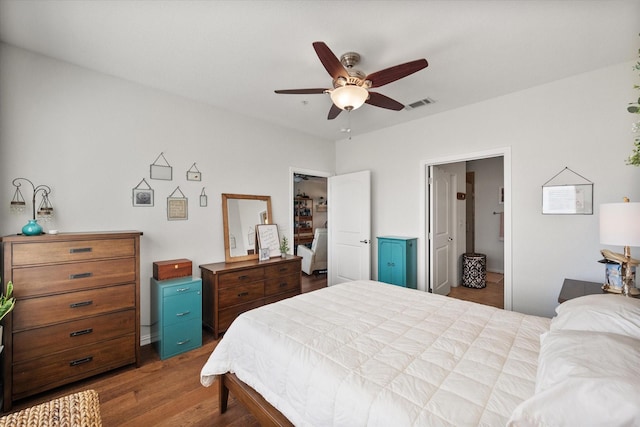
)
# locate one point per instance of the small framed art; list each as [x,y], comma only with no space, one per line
[268,238]
[265,254]
[177,207]
[142,196]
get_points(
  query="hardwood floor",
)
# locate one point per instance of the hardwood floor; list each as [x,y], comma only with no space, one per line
[163,392]
[169,393]
[492,294]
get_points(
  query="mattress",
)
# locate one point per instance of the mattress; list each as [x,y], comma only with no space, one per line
[367,353]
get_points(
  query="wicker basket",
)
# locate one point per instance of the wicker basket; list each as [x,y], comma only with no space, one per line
[80,409]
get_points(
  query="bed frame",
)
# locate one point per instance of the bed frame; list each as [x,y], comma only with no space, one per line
[262,410]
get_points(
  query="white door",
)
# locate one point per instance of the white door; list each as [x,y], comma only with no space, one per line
[441,231]
[349,218]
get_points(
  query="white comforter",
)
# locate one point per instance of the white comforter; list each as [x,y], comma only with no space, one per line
[367,353]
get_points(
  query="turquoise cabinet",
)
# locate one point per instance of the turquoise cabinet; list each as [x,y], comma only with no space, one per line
[397,261]
[176,315]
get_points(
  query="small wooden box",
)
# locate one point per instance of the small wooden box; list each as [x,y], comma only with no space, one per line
[172,268]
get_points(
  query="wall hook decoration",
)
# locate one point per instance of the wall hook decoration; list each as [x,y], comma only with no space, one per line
[160,171]
[193,174]
[203,199]
[142,195]
[567,193]
[177,206]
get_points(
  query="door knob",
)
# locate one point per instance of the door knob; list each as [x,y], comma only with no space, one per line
[450,239]
[364,241]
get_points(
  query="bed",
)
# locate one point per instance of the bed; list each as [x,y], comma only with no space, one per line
[367,353]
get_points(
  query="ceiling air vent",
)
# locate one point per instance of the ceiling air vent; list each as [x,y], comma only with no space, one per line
[420,103]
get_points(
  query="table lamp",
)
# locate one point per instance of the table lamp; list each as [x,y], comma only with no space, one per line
[620,226]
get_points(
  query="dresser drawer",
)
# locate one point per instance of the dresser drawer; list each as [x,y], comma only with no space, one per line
[48,279]
[52,339]
[34,312]
[181,337]
[282,269]
[240,294]
[279,297]
[233,278]
[279,285]
[182,308]
[69,251]
[228,315]
[60,368]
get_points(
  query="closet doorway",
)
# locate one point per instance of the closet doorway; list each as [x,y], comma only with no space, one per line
[490,203]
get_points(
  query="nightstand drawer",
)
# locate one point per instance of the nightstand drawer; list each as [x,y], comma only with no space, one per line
[60,278]
[181,337]
[182,308]
[41,311]
[70,251]
[240,294]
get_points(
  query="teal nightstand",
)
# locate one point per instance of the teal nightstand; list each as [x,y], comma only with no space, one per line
[397,261]
[176,315]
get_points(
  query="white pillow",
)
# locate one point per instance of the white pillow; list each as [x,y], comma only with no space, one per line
[584,379]
[602,313]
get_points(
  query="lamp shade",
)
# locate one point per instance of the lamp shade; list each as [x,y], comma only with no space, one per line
[349,97]
[620,224]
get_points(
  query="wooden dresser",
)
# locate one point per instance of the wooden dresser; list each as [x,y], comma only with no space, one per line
[77,309]
[229,289]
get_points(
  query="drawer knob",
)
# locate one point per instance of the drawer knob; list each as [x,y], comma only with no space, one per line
[82,332]
[80,304]
[80,276]
[243,294]
[81,361]
[79,250]
[184,313]
[182,289]
[283,284]
[183,342]
[243,277]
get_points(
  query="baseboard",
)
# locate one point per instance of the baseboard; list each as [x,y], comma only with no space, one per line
[145,339]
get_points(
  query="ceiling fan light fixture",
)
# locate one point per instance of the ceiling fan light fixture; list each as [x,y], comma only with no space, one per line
[349,97]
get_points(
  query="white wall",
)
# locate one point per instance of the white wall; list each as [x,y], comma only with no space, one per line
[579,122]
[488,179]
[92,138]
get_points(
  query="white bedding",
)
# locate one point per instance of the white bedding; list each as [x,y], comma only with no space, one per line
[367,353]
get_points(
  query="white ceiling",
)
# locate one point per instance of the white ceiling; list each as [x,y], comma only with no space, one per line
[234,54]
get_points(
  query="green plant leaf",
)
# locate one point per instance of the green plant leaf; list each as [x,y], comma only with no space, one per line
[633,109]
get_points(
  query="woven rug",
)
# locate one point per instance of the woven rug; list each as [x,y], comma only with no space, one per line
[75,410]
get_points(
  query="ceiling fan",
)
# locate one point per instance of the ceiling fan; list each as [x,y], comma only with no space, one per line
[351,86]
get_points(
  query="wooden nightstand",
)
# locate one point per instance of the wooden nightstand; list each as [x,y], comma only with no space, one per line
[577,288]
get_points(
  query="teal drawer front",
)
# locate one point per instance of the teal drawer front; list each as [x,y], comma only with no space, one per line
[169,290]
[176,315]
[182,308]
[181,337]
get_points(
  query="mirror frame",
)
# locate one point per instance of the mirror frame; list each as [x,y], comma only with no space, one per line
[225,223]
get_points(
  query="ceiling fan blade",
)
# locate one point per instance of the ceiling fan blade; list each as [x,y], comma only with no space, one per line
[380,100]
[388,75]
[333,112]
[300,91]
[330,61]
